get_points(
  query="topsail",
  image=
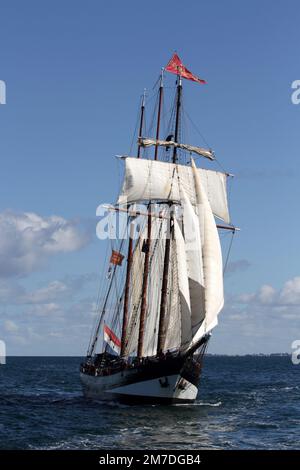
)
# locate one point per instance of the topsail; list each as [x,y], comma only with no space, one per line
[157,180]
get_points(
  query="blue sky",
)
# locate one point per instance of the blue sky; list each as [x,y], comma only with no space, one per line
[74,72]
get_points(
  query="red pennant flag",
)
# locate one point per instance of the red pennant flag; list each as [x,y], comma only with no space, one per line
[176,66]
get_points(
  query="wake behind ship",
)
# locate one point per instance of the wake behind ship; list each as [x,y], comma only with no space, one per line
[158,307]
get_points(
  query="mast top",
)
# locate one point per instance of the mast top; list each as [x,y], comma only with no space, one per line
[161,83]
[144,97]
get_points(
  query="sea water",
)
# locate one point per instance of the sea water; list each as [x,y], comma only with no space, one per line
[249,402]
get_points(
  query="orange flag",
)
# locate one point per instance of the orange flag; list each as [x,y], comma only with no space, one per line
[116,258]
[176,66]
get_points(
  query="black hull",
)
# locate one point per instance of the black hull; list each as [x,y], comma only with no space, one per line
[167,379]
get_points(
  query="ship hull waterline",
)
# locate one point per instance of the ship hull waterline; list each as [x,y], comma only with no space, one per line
[168,381]
[168,389]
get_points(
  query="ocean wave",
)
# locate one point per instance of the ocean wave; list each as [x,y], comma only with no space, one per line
[284,389]
[262,425]
[199,403]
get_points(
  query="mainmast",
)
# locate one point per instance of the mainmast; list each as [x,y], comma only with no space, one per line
[141,122]
[147,246]
[160,100]
[164,289]
[177,122]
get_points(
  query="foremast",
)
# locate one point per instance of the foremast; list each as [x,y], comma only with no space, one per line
[130,244]
[148,243]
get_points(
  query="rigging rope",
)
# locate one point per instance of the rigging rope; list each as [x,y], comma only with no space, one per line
[134,136]
[228,253]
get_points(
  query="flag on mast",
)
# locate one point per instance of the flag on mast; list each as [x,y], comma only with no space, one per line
[116,258]
[176,66]
[111,339]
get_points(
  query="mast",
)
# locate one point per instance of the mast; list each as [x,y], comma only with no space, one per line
[160,99]
[127,288]
[141,122]
[177,122]
[148,245]
[130,242]
[164,289]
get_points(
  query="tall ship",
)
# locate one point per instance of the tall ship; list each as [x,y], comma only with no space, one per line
[162,288]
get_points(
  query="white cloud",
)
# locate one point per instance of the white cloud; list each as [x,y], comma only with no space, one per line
[53,291]
[266,294]
[290,294]
[45,309]
[48,328]
[287,296]
[28,239]
[12,293]
[267,320]
[10,326]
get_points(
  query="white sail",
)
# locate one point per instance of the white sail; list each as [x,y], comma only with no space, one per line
[157,251]
[173,313]
[178,318]
[156,180]
[135,296]
[195,282]
[212,261]
[193,250]
[183,285]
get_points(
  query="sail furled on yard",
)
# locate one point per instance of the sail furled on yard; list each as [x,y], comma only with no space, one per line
[156,180]
[143,142]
